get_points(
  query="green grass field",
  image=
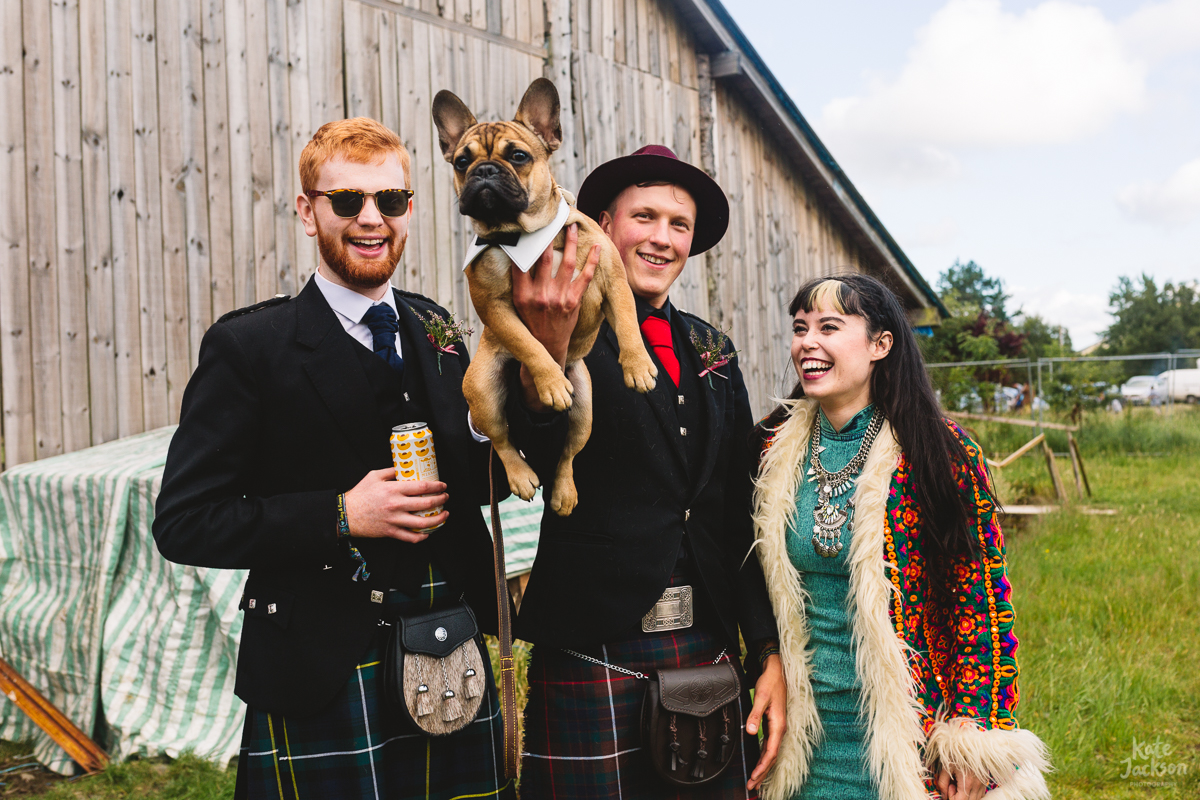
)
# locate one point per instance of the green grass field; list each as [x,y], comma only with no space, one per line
[1108,607]
[1108,614]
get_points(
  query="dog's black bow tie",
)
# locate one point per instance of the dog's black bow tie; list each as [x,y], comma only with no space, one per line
[507,239]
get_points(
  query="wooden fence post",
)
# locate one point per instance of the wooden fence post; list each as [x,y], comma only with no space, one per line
[1058,485]
[1077,463]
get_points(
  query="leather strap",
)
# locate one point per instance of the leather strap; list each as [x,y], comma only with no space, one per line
[508,673]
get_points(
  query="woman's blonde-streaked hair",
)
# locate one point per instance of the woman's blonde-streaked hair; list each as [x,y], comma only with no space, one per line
[360,140]
[826,294]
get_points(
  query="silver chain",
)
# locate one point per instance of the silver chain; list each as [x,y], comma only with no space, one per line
[835,480]
[639,675]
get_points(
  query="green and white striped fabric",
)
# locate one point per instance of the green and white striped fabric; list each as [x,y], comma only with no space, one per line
[522,523]
[133,649]
[95,619]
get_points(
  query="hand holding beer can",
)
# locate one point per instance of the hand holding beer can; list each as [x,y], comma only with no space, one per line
[414,458]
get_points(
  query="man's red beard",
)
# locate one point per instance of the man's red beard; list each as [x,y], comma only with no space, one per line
[360,273]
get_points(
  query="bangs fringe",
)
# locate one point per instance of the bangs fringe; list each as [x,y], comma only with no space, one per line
[831,294]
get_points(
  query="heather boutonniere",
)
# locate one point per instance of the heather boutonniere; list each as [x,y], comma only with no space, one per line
[711,356]
[443,333]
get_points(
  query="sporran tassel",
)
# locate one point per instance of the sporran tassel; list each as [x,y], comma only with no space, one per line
[472,683]
[424,701]
[451,708]
[701,754]
[676,760]
[726,742]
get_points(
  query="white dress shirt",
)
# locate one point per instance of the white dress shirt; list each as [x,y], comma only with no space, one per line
[349,306]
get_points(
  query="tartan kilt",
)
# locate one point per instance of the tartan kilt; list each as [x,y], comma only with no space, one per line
[583,723]
[357,747]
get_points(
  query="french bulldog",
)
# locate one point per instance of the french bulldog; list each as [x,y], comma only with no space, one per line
[504,184]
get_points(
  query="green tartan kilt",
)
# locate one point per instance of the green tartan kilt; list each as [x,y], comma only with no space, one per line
[582,723]
[359,748]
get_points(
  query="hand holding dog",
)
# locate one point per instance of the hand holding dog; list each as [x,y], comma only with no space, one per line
[382,507]
[549,303]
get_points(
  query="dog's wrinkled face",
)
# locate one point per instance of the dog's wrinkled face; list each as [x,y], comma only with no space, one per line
[502,169]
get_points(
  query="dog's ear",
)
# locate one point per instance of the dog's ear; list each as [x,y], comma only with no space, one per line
[539,112]
[452,118]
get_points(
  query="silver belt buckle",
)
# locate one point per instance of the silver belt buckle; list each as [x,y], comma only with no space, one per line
[672,612]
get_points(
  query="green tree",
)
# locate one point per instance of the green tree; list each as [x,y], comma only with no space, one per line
[974,288]
[1147,319]
[979,329]
[1042,339]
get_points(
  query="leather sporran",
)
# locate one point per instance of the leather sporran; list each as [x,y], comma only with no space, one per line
[434,669]
[690,722]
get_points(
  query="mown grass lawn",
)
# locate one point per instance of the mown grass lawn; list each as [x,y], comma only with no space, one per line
[1108,614]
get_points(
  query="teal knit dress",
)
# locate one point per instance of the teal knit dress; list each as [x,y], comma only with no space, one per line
[838,769]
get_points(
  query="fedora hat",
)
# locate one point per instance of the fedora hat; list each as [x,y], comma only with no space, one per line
[655,162]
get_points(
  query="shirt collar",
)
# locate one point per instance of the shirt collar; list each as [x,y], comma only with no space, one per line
[349,303]
[530,246]
[644,309]
[854,429]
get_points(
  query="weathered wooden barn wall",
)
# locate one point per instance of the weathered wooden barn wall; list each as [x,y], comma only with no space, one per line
[780,235]
[155,144]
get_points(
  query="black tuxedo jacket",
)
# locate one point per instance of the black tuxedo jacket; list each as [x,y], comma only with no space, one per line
[643,487]
[279,417]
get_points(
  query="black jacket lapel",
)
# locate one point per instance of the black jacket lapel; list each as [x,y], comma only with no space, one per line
[714,410]
[660,399]
[420,355]
[335,371]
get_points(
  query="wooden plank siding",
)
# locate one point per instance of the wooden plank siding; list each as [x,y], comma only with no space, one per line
[155,147]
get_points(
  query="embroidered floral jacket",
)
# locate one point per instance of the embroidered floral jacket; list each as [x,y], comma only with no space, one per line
[939,678]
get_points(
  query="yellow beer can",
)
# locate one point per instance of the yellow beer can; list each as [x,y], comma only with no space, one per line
[415,459]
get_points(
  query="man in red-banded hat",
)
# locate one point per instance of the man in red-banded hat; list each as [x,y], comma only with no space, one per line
[650,570]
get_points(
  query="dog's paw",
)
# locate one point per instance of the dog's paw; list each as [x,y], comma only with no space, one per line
[640,373]
[564,498]
[555,390]
[523,482]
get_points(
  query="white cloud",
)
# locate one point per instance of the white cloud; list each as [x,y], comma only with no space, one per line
[1084,314]
[1165,29]
[933,234]
[978,76]
[1174,202]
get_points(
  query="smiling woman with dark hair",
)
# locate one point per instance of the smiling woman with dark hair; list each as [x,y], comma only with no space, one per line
[875,521]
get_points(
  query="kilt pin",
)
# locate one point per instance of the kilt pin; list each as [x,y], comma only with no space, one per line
[285,411]
[664,500]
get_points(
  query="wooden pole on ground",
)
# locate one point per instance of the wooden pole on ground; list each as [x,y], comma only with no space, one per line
[82,749]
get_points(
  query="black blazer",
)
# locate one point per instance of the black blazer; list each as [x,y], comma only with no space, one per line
[598,571]
[278,418]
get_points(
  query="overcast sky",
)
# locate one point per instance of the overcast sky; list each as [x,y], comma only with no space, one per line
[1055,143]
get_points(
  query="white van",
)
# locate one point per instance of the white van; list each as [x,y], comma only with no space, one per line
[1183,385]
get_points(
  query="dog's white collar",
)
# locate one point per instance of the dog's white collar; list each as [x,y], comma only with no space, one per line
[529,246]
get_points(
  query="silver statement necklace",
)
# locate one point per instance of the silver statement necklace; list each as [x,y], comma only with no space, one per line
[828,518]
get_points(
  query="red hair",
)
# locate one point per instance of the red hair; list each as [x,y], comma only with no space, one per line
[361,140]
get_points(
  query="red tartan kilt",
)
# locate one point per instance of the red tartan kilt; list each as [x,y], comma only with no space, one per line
[582,723]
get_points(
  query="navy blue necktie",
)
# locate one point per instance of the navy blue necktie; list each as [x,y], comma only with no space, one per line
[384,327]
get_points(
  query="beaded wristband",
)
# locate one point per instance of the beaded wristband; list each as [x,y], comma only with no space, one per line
[767,652]
[343,532]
